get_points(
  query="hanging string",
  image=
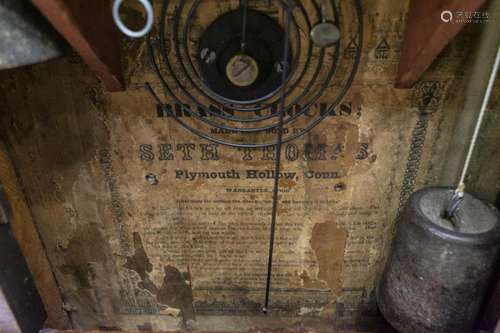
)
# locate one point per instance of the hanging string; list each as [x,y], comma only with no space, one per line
[457,198]
[277,167]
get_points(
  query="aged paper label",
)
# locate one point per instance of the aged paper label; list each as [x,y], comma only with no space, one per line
[150,227]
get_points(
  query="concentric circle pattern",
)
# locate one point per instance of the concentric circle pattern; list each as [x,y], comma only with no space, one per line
[250,121]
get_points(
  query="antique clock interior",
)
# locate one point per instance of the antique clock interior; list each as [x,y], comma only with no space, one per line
[255,75]
[249,166]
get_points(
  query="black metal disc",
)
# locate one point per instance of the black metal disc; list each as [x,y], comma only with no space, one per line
[256,69]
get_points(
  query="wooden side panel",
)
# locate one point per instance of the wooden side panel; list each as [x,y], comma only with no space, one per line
[89,28]
[26,235]
[431,25]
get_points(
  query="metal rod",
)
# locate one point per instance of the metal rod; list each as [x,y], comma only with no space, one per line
[484,106]
[244,10]
[323,11]
[277,167]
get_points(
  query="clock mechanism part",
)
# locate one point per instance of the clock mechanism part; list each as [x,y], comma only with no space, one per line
[239,71]
[223,67]
[251,74]
[123,27]
[325,34]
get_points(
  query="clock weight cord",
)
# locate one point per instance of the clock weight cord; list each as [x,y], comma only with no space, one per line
[457,199]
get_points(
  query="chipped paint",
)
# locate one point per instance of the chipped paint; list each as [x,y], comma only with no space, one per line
[328,243]
[176,292]
[175,295]
[140,263]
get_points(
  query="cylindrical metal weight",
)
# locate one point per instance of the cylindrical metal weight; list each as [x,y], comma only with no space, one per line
[437,274]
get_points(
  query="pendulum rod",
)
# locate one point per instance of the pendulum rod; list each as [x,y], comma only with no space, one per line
[277,167]
[457,199]
[244,17]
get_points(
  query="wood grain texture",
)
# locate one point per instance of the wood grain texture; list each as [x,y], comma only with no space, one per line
[427,35]
[89,28]
[27,236]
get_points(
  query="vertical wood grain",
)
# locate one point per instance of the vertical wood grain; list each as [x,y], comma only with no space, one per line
[26,234]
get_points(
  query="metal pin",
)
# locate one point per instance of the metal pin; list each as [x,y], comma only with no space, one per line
[152,179]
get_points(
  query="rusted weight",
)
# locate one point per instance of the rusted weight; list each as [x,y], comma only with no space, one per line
[437,274]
